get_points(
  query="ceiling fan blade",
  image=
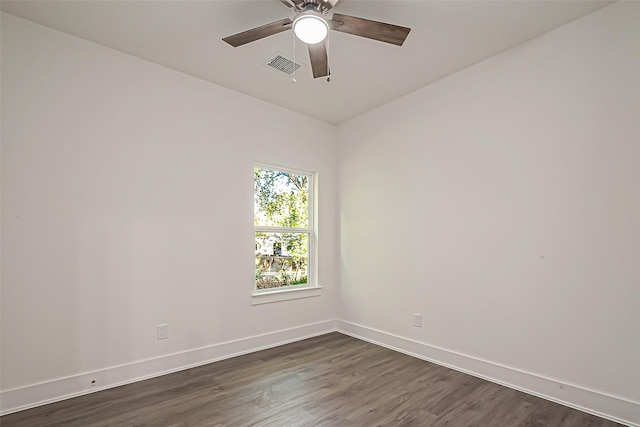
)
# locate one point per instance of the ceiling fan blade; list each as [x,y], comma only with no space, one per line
[375,30]
[259,32]
[319,61]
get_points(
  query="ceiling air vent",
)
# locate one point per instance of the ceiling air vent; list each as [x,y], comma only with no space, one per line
[280,63]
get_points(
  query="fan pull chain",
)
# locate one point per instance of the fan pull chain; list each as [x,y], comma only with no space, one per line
[295,69]
[329,56]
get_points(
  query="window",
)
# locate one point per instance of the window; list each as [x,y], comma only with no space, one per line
[284,230]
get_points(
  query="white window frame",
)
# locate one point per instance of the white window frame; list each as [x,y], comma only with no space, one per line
[311,289]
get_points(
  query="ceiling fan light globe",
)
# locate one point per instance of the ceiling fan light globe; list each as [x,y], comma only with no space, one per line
[310,29]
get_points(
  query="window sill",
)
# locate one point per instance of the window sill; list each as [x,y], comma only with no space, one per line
[266,297]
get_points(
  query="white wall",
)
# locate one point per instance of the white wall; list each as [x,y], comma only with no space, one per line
[127,194]
[503,204]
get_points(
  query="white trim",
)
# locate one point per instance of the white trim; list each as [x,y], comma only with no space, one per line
[33,395]
[601,404]
[282,230]
[285,294]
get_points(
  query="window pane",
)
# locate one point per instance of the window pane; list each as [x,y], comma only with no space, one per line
[281,259]
[280,199]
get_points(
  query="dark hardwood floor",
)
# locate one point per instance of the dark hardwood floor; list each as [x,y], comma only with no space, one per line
[330,380]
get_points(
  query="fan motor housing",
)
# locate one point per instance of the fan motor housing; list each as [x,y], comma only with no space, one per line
[310,6]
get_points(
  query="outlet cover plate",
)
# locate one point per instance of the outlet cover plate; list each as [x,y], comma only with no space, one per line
[162,331]
[417,320]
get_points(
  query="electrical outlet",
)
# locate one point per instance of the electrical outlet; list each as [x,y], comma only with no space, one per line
[417,320]
[162,331]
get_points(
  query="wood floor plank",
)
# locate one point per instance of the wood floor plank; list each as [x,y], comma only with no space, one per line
[331,380]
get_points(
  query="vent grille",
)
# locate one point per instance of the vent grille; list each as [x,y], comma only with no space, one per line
[280,63]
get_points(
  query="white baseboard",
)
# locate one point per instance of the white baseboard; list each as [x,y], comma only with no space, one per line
[603,405]
[33,395]
[597,403]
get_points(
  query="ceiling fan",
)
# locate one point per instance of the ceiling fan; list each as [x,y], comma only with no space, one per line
[311,26]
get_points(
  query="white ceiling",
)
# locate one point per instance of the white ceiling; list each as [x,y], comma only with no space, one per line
[447,36]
